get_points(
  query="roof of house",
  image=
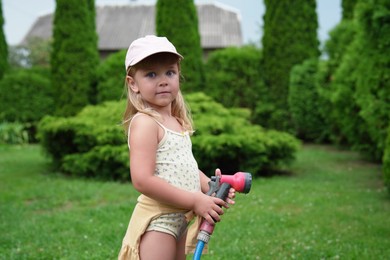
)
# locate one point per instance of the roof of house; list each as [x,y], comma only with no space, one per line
[119,25]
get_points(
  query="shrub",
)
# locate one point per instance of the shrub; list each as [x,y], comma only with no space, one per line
[107,162]
[93,126]
[111,77]
[234,78]
[13,133]
[304,101]
[93,144]
[225,138]
[25,97]
[359,94]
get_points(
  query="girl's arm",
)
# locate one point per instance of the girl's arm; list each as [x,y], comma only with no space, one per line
[144,143]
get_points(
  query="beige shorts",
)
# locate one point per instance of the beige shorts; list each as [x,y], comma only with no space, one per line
[174,224]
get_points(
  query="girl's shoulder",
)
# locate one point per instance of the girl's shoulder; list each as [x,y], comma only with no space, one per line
[145,127]
[142,120]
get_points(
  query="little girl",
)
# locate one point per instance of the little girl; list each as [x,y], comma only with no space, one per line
[162,165]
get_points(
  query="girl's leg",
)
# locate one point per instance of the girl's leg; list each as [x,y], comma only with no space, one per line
[157,245]
[180,247]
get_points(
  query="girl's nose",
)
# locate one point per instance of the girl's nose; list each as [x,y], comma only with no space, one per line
[163,81]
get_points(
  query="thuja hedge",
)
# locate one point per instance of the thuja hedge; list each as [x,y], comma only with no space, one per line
[26,95]
[93,143]
[305,102]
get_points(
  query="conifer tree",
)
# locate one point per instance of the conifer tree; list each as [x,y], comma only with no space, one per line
[74,56]
[348,7]
[367,77]
[290,37]
[3,45]
[178,21]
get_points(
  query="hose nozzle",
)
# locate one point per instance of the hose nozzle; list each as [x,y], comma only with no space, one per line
[240,181]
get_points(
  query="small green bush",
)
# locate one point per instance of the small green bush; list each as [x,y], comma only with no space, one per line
[93,126]
[93,144]
[109,162]
[13,133]
[25,95]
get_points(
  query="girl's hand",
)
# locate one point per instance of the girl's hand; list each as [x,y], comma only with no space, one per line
[208,207]
[232,191]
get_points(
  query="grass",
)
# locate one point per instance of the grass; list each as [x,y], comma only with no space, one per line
[332,206]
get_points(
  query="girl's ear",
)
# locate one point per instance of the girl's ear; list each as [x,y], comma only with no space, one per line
[132,84]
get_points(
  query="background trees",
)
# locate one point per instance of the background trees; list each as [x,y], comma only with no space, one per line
[290,37]
[178,21]
[74,56]
[3,46]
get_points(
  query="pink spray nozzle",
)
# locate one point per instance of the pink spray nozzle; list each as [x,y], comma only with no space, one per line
[240,181]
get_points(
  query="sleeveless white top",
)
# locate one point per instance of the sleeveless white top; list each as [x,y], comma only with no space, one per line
[175,162]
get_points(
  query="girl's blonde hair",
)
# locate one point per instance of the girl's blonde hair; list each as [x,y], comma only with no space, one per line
[135,103]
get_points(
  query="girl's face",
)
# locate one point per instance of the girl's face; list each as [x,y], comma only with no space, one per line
[157,81]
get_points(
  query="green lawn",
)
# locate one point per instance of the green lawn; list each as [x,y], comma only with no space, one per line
[332,206]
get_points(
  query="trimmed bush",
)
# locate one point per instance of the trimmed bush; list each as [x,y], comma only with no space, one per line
[234,78]
[93,126]
[26,96]
[226,139]
[13,133]
[304,102]
[93,144]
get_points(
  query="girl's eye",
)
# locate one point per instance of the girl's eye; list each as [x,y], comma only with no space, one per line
[151,74]
[171,73]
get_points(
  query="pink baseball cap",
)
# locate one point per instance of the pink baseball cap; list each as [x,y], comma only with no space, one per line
[146,46]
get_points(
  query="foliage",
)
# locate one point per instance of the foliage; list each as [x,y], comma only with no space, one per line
[386,161]
[3,46]
[94,126]
[304,102]
[225,138]
[359,93]
[332,110]
[93,143]
[373,73]
[111,78]
[290,37]
[234,78]
[348,7]
[180,26]
[74,56]
[340,37]
[13,133]
[26,95]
